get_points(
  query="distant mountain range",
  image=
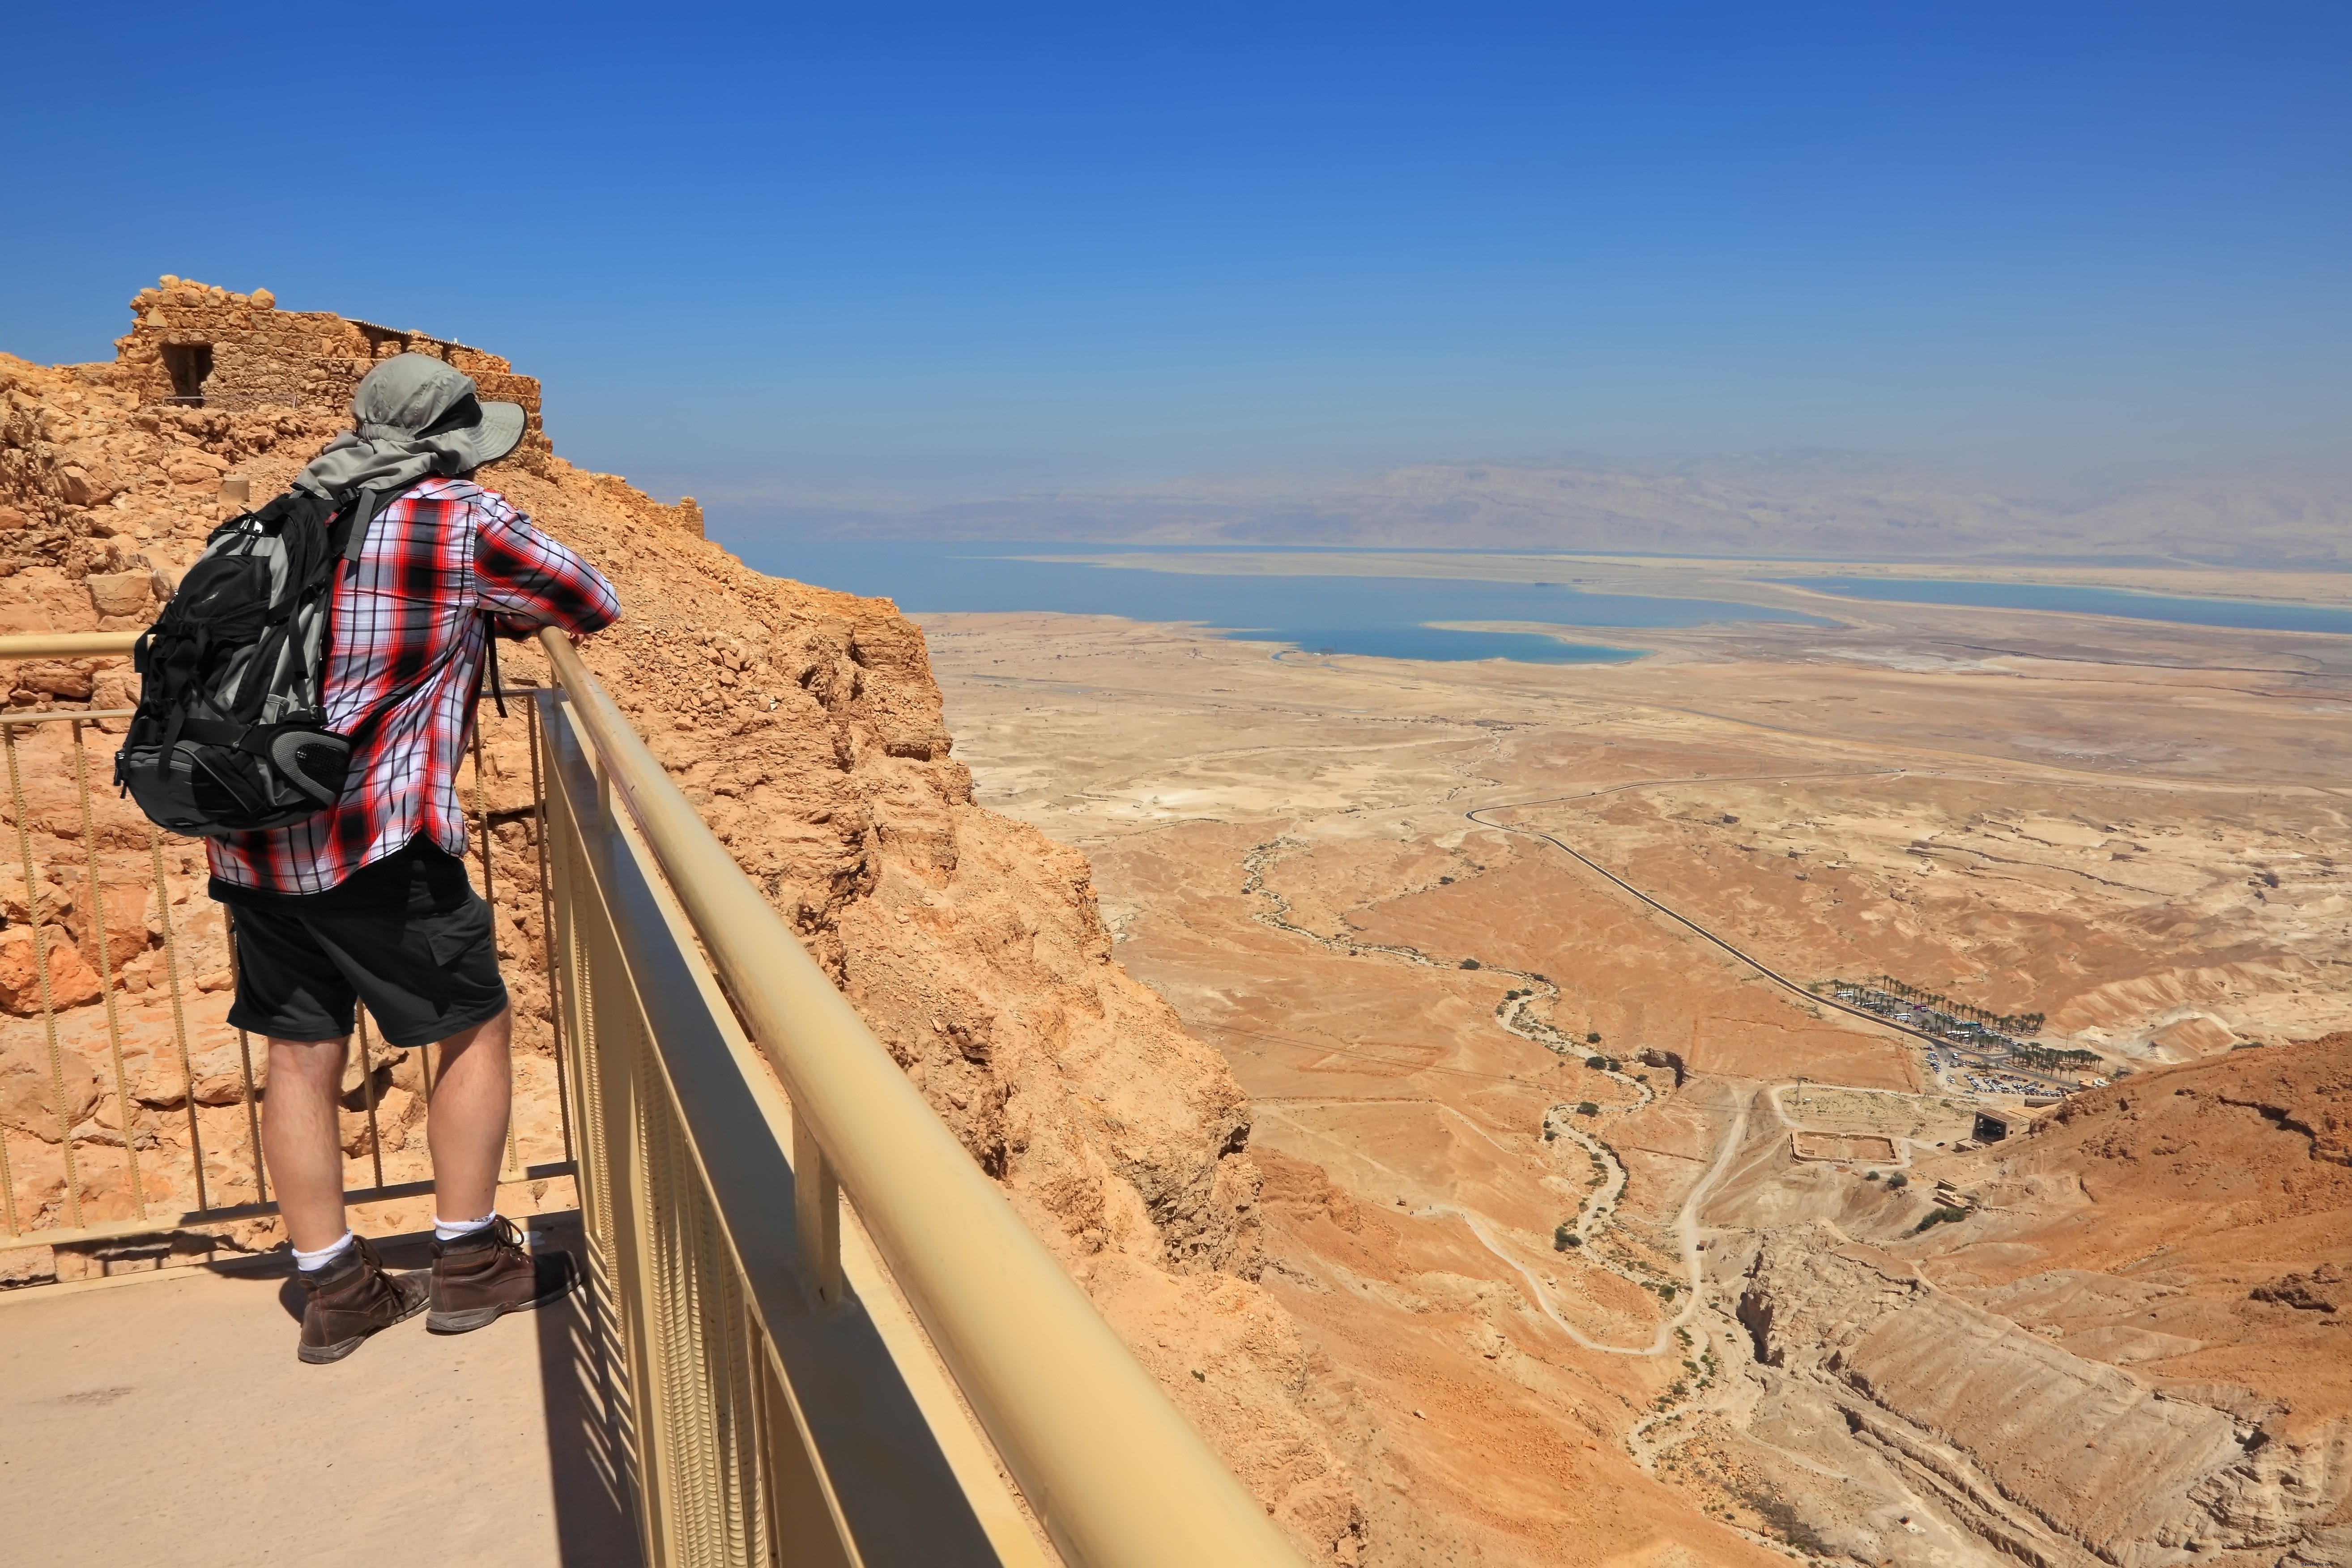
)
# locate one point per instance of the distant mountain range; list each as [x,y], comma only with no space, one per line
[1809,507]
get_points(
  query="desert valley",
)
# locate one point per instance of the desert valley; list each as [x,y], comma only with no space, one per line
[1591,1225]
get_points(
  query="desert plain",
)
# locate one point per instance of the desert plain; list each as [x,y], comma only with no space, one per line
[1606,1239]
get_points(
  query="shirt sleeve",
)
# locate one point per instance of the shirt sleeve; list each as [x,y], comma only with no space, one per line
[527,580]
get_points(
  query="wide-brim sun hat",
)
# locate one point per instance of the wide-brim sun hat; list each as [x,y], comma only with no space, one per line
[416,398]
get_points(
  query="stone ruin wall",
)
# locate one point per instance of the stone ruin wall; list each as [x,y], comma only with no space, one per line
[112,473]
[251,354]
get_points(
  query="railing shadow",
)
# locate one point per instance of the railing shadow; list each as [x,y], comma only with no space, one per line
[589,1442]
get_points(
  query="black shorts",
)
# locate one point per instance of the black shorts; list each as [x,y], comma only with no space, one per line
[406,934]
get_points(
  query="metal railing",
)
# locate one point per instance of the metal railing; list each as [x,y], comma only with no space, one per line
[785,1409]
[770,1210]
[147,1154]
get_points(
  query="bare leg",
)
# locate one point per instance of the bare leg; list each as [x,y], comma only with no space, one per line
[466,1129]
[301,1140]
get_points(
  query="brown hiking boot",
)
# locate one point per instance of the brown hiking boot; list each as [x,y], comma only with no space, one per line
[479,1277]
[351,1299]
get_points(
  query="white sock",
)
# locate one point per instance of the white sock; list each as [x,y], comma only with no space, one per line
[452,1229]
[312,1262]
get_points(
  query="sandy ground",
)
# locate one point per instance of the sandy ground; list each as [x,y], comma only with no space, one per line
[1498,1253]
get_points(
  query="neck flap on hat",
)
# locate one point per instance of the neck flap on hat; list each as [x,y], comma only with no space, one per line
[409,412]
[353,462]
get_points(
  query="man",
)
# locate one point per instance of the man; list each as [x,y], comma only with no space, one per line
[369,900]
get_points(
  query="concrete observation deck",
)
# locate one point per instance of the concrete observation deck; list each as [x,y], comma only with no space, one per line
[163,1417]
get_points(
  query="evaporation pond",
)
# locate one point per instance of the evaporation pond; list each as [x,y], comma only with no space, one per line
[2249,615]
[1384,617]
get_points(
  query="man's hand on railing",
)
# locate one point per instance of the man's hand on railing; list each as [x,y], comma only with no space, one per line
[520,629]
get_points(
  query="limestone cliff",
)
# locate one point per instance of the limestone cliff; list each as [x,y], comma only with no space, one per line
[807,727]
[2130,1348]
[2044,1452]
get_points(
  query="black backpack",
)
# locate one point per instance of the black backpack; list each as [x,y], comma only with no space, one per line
[231,733]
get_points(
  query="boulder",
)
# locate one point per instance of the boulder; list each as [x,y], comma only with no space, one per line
[220,1072]
[27,1089]
[120,592]
[57,902]
[125,905]
[159,1084]
[72,982]
[68,678]
[91,485]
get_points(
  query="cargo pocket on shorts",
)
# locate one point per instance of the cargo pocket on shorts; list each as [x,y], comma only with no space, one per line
[464,944]
[460,935]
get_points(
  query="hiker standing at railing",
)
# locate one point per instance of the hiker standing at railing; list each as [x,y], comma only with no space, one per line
[362,894]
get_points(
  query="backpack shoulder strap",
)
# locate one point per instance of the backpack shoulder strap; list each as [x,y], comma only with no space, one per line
[348,532]
[348,536]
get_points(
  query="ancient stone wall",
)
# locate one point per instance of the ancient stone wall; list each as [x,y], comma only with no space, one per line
[203,346]
[111,473]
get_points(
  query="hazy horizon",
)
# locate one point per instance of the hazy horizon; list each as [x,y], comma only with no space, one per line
[1793,507]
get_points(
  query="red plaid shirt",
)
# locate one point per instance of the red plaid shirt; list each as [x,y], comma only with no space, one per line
[406,638]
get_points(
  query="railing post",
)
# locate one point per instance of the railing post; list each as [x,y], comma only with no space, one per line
[37,915]
[560,832]
[126,1111]
[535,724]
[642,1270]
[605,1147]
[816,1202]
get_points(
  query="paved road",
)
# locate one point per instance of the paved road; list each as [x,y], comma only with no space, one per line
[1757,965]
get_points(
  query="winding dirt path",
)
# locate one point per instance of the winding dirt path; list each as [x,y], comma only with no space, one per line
[1703,1331]
[1516,1017]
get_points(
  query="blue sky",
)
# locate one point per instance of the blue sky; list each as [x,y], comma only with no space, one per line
[851,252]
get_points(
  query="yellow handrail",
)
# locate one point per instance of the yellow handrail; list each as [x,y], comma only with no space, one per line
[1115,1473]
[66,645]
